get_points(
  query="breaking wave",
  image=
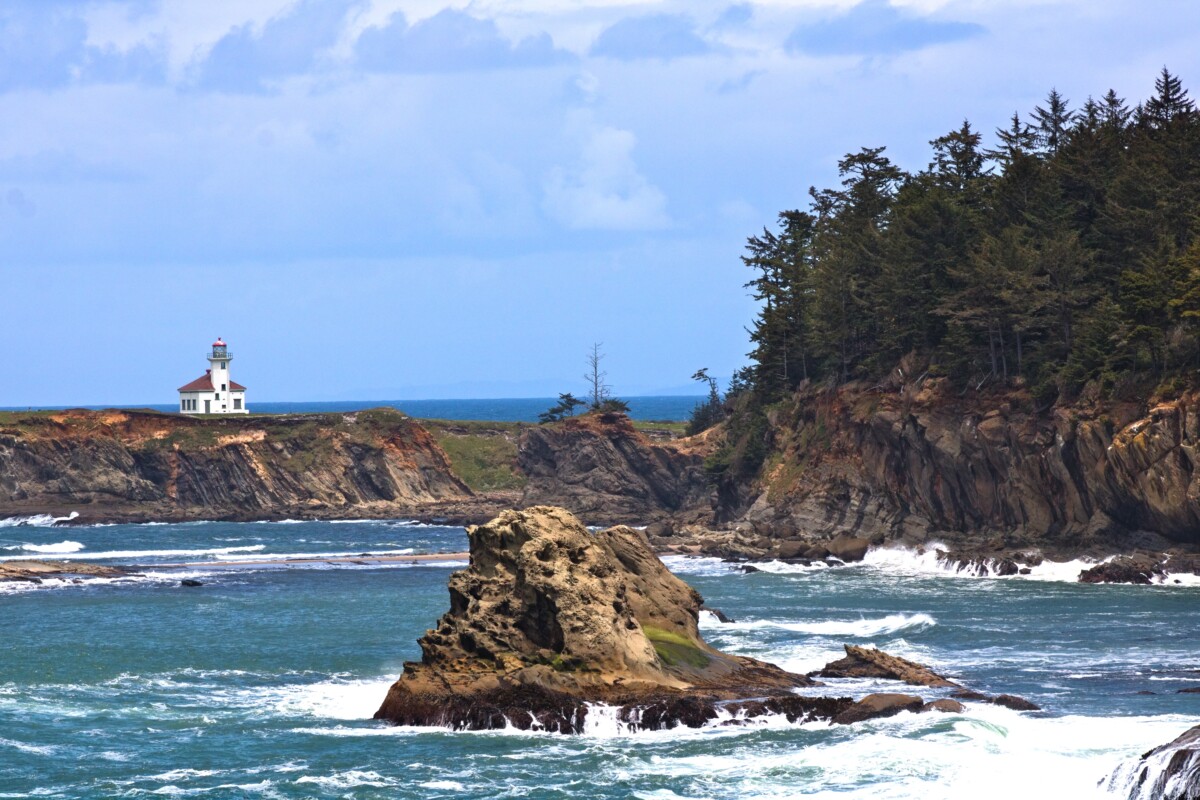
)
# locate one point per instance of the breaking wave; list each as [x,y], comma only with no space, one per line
[861,628]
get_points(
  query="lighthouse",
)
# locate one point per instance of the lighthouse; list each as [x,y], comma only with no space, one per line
[214,392]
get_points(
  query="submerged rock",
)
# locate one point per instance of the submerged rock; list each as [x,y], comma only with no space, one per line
[1169,772]
[551,619]
[864,662]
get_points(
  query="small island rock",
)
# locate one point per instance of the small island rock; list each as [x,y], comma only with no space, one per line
[550,619]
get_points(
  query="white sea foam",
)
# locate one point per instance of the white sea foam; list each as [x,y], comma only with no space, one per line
[1170,773]
[449,786]
[172,577]
[862,628]
[233,557]
[987,753]
[36,521]
[134,555]
[908,562]
[347,780]
[33,749]
[57,547]
[331,699]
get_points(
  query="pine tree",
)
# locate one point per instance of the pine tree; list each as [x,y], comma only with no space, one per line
[1051,122]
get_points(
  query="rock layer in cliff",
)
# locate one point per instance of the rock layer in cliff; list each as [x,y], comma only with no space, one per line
[115,465]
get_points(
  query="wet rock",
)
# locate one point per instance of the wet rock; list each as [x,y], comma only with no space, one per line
[1189,690]
[749,568]
[1169,772]
[863,662]
[848,548]
[1138,569]
[875,706]
[945,706]
[1014,702]
[718,613]
[191,582]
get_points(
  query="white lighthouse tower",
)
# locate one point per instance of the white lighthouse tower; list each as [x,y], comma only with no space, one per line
[214,392]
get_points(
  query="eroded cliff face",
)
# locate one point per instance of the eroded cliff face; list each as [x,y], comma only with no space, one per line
[601,468]
[919,462]
[143,465]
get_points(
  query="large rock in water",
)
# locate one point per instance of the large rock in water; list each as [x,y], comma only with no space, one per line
[550,619]
[863,662]
[1169,772]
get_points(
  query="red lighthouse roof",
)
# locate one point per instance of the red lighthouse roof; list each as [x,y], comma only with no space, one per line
[219,342]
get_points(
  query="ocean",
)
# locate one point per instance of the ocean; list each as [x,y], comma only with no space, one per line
[261,682]
[665,408]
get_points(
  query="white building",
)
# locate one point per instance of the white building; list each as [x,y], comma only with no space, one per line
[213,392]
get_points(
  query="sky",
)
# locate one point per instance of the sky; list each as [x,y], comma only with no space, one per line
[397,199]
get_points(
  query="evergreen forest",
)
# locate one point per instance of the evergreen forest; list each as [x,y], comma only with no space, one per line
[1062,252]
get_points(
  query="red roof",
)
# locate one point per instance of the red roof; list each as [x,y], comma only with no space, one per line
[201,384]
[219,342]
[204,384]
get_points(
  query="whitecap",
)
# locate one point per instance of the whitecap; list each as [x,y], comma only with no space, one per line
[33,749]
[36,520]
[450,786]
[134,555]
[861,628]
[67,546]
[348,780]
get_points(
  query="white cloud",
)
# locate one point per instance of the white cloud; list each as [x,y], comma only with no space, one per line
[604,190]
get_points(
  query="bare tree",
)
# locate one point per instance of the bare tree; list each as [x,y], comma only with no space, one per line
[599,391]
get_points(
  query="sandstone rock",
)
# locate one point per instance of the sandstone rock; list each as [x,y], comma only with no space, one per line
[1169,772]
[874,706]
[33,571]
[863,662]
[550,617]
[789,551]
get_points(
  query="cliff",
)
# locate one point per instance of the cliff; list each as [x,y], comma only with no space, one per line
[602,468]
[918,462]
[133,465]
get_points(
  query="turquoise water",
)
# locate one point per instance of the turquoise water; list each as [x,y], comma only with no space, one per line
[518,409]
[261,682]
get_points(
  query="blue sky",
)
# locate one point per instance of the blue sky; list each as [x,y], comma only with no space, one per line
[374,199]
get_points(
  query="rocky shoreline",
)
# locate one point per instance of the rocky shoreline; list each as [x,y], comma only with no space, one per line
[551,623]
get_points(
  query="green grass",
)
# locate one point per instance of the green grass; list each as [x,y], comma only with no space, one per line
[676,650]
[673,428]
[482,453]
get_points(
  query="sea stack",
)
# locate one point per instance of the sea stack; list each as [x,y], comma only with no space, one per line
[551,619]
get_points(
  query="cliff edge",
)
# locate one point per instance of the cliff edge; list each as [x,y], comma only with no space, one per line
[139,465]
